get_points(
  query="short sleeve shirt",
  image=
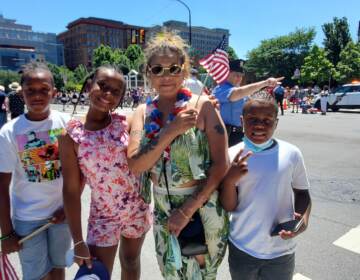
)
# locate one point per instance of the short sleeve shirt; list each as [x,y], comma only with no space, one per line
[29,151]
[230,110]
[265,196]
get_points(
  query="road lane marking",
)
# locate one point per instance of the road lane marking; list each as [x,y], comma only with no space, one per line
[350,240]
[299,276]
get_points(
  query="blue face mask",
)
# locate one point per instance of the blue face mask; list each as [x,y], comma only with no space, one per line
[255,148]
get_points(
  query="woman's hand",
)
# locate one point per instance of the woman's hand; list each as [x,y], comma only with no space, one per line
[82,254]
[184,120]
[177,221]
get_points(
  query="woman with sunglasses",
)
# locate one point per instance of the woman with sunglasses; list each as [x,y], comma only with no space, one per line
[178,142]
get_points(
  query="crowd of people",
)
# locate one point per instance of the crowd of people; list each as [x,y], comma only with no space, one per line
[201,165]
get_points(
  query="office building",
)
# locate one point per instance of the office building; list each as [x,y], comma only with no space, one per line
[86,34]
[203,40]
[19,44]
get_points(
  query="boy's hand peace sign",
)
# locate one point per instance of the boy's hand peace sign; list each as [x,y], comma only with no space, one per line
[238,167]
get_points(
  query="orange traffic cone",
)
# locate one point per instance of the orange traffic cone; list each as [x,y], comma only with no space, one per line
[285,104]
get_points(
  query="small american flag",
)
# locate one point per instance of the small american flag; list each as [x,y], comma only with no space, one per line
[7,272]
[217,63]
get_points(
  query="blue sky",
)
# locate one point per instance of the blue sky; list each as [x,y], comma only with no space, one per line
[249,21]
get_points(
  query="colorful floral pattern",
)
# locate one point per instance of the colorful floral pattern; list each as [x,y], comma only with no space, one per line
[116,206]
[189,159]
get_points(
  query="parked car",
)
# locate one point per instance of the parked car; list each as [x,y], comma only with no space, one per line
[344,97]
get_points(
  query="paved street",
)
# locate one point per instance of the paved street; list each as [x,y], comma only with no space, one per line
[330,145]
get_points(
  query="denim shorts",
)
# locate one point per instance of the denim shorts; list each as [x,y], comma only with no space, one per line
[246,267]
[45,251]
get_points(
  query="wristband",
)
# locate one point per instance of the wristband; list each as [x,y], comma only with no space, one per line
[11,234]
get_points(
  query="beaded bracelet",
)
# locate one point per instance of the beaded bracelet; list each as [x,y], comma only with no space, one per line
[11,234]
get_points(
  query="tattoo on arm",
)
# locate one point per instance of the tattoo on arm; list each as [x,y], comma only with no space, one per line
[219,129]
[147,148]
[136,133]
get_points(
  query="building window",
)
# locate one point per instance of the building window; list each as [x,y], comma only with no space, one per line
[133,36]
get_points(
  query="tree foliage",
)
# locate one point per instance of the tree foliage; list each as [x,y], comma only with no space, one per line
[136,56]
[104,55]
[280,56]
[317,68]
[80,73]
[337,36]
[231,53]
[58,78]
[348,67]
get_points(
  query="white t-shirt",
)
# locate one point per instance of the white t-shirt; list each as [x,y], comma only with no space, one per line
[195,86]
[265,196]
[29,150]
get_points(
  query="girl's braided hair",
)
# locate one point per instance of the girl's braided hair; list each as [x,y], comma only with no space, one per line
[89,80]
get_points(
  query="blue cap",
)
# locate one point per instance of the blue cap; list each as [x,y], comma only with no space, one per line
[98,269]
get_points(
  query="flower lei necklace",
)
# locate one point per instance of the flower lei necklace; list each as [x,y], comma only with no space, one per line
[152,129]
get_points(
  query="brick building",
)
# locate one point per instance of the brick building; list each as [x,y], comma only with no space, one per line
[86,34]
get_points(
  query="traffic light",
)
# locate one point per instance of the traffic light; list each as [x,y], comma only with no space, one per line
[142,36]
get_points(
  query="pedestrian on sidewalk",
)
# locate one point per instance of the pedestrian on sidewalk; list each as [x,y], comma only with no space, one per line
[265,186]
[29,159]
[16,100]
[324,94]
[95,152]
[279,91]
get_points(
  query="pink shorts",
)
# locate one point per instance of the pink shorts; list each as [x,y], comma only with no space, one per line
[130,223]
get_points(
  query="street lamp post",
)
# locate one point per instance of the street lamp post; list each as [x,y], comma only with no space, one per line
[187,7]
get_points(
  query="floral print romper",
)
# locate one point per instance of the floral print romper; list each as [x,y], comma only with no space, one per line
[116,206]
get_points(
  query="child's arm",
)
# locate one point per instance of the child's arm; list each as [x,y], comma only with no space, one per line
[228,193]
[302,200]
[9,242]
[72,190]
[303,206]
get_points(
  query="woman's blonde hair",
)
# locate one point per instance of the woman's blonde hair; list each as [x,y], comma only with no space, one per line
[164,43]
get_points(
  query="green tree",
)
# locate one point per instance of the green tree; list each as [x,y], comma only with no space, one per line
[124,64]
[103,55]
[135,55]
[348,67]
[317,67]
[58,78]
[80,73]
[280,56]
[7,77]
[231,53]
[337,36]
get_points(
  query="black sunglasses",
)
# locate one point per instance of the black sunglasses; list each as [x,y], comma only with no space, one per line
[159,70]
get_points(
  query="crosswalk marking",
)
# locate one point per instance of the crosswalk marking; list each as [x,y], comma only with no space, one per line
[298,276]
[350,240]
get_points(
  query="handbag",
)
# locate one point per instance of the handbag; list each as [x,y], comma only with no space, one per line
[192,237]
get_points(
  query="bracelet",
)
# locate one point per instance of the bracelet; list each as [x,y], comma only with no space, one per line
[11,234]
[78,243]
[82,258]
[183,213]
